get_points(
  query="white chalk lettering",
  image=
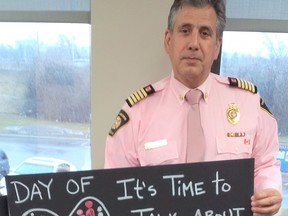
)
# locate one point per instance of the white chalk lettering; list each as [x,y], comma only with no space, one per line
[152,190]
[73,187]
[35,190]
[70,184]
[229,212]
[180,188]
[139,188]
[47,187]
[124,182]
[19,199]
[172,177]
[225,187]
[142,212]
[83,182]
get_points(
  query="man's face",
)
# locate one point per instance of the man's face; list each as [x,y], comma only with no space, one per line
[193,46]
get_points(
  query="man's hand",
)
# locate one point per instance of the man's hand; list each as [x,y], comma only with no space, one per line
[266,202]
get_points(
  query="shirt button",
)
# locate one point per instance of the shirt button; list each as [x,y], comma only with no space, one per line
[237,149]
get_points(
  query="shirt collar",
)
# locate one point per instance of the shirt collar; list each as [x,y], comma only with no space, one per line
[205,88]
[180,90]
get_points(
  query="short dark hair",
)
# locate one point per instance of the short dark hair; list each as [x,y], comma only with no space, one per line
[217,5]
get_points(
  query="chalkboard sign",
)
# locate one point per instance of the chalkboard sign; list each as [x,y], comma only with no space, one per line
[209,188]
[3,206]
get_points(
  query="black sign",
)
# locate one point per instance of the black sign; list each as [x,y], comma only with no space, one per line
[220,188]
[3,206]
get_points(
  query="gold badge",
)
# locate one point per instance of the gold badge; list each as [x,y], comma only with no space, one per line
[233,114]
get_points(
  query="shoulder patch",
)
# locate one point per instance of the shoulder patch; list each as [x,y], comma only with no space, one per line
[264,107]
[239,83]
[139,95]
[121,119]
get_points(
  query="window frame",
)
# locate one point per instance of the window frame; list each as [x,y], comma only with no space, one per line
[65,11]
[254,25]
[46,16]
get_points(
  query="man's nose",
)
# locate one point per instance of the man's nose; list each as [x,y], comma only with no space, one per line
[193,43]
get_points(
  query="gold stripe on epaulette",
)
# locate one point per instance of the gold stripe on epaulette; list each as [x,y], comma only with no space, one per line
[143,92]
[134,98]
[130,101]
[243,84]
[246,85]
[139,95]
[250,86]
[254,88]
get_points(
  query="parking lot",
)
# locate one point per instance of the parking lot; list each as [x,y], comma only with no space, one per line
[285,189]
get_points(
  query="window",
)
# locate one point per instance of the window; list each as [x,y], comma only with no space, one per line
[44,85]
[45,93]
[262,59]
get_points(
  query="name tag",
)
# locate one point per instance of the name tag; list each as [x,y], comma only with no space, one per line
[155,144]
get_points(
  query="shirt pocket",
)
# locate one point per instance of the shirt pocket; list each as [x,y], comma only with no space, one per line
[157,154]
[234,147]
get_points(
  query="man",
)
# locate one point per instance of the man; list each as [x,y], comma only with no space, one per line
[152,127]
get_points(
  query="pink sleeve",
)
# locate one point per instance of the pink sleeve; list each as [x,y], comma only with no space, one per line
[120,146]
[267,167]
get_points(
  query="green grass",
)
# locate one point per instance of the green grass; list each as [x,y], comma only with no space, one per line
[8,120]
[283,140]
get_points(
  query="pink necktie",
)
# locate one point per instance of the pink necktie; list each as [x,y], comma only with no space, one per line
[195,139]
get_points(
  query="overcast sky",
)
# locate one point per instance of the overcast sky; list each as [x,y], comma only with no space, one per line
[47,32]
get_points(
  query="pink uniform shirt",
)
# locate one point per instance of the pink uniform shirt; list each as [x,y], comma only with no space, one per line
[236,125]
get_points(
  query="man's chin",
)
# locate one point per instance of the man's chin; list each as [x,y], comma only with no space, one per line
[196,71]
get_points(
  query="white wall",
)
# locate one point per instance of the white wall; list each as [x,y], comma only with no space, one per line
[127,54]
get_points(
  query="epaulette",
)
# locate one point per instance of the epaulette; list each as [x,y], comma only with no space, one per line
[243,84]
[139,95]
[265,107]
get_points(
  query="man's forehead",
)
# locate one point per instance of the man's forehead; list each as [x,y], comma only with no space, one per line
[190,13]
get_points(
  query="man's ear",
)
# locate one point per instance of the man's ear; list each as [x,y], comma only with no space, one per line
[167,40]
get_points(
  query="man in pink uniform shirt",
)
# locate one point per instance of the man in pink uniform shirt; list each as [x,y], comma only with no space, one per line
[151,128]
